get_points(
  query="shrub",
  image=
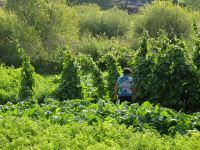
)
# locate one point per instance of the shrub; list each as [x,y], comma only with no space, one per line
[196,56]
[89,66]
[166,75]
[112,23]
[27,79]
[70,86]
[11,30]
[113,74]
[9,84]
[142,69]
[173,19]
[54,22]
[94,47]
[174,73]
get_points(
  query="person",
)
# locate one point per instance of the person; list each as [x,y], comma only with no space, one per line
[124,87]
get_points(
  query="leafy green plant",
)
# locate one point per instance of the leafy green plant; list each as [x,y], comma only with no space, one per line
[45,27]
[9,84]
[196,56]
[70,86]
[112,23]
[165,74]
[173,19]
[113,73]
[89,66]
[179,77]
[27,79]
[147,116]
[142,68]
[26,133]
[11,30]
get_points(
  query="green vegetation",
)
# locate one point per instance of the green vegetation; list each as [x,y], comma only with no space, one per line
[175,20]
[193,4]
[70,87]
[27,80]
[112,22]
[113,74]
[43,135]
[89,67]
[12,30]
[165,71]
[56,90]
[80,124]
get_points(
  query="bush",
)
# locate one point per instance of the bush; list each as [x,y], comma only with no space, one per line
[27,80]
[88,66]
[12,30]
[54,22]
[94,47]
[142,69]
[173,19]
[113,74]
[112,23]
[70,86]
[9,84]
[164,74]
[196,56]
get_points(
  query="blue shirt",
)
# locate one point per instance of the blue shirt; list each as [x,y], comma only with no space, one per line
[125,85]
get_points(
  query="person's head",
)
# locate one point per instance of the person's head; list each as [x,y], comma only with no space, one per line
[127,71]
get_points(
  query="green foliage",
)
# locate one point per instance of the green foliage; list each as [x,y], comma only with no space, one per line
[88,65]
[25,133]
[55,23]
[166,75]
[112,22]
[179,77]
[113,73]
[173,19]
[142,68]
[196,57]
[27,79]
[139,118]
[197,54]
[94,47]
[194,4]
[70,86]
[11,28]
[9,84]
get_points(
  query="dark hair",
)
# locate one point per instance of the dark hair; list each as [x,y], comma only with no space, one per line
[127,71]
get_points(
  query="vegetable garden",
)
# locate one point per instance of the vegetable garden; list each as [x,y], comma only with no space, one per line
[70,104]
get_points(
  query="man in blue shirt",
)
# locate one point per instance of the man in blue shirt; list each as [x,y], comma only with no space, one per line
[124,86]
